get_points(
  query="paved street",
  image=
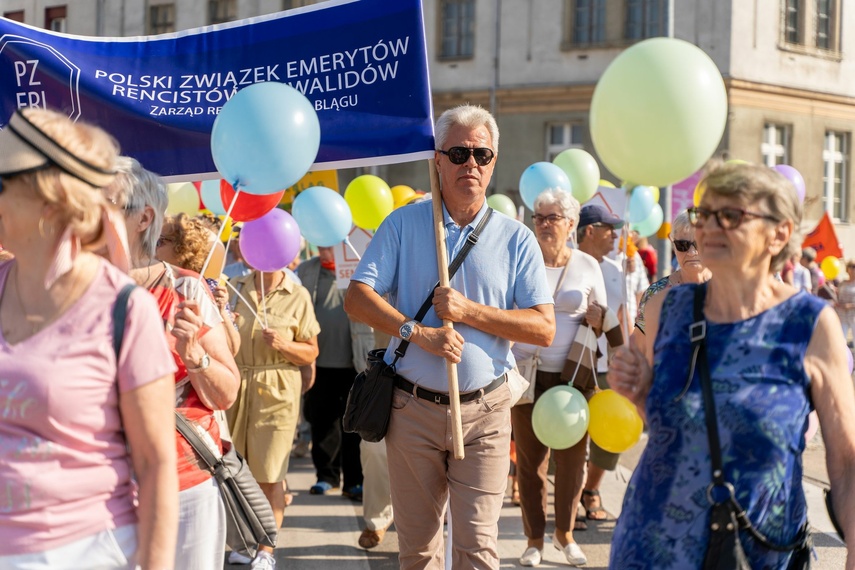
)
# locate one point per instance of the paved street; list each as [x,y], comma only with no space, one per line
[320,532]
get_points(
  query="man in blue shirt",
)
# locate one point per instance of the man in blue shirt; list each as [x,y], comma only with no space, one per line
[499,295]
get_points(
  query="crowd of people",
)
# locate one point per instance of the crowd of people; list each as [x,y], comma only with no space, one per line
[94,473]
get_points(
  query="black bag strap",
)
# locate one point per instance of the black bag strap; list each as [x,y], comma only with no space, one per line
[184,426]
[698,334]
[120,314]
[471,240]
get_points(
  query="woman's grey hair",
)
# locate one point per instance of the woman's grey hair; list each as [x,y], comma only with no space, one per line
[469,116]
[775,195]
[681,225]
[569,205]
[137,188]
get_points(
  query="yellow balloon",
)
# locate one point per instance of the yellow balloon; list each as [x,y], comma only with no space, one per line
[615,424]
[182,198]
[737,161]
[226,231]
[218,259]
[831,267]
[370,200]
[699,193]
[655,191]
[664,230]
[606,183]
[402,195]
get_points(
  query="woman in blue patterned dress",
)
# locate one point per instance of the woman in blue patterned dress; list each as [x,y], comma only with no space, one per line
[774,355]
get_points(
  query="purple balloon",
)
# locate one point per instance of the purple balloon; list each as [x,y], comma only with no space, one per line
[271,242]
[795,177]
[850,360]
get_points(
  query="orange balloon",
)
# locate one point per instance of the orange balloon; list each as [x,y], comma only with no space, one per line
[664,230]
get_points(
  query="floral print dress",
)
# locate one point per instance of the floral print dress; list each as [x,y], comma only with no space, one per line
[762,398]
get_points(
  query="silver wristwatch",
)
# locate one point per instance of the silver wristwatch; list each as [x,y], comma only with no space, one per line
[407,329]
[203,364]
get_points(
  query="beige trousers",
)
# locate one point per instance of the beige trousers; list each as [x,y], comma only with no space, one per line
[376,494]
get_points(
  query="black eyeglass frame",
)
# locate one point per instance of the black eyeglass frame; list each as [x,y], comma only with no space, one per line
[460,155]
[698,217]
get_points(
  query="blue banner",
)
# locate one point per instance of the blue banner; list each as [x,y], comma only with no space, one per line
[362,64]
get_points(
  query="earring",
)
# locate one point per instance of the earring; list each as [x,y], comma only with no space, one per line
[42,229]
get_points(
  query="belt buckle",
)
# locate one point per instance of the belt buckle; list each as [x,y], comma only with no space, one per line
[437,399]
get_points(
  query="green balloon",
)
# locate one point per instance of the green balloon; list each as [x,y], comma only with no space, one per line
[650,225]
[560,417]
[658,112]
[582,170]
[503,205]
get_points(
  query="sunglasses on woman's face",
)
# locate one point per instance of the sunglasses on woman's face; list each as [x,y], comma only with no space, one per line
[683,245]
[460,154]
[727,218]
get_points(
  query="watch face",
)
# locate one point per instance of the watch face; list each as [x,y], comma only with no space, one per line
[406,330]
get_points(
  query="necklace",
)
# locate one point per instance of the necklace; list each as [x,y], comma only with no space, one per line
[38,321]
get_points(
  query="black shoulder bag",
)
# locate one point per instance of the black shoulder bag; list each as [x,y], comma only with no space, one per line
[369,402]
[727,518]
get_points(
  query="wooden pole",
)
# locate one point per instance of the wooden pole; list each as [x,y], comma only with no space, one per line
[442,265]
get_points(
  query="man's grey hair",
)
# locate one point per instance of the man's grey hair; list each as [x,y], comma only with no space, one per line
[469,116]
[569,205]
[138,188]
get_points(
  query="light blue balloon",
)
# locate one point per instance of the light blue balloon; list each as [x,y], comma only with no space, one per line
[541,176]
[650,225]
[211,199]
[323,216]
[265,138]
[641,204]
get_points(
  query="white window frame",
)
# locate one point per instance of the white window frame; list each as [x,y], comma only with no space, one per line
[572,136]
[772,151]
[834,189]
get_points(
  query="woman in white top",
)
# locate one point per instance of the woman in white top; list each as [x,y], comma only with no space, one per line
[579,295]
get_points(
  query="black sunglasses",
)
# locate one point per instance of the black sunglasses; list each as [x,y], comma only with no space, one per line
[683,245]
[460,154]
[727,218]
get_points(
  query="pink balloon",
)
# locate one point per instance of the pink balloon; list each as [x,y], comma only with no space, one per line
[813,425]
[271,242]
[793,176]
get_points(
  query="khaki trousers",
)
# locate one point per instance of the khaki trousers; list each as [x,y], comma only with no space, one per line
[532,463]
[424,475]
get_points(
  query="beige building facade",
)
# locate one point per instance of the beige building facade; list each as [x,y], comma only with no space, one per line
[535,64]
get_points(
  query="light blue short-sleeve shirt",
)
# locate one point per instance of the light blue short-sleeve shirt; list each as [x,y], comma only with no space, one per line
[504,269]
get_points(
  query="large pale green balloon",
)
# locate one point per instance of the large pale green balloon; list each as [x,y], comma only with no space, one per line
[560,417]
[503,204]
[658,112]
[582,170]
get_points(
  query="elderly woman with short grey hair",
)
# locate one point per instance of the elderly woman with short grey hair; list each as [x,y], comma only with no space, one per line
[207,377]
[579,292]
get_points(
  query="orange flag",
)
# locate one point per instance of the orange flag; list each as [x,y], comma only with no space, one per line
[824,240]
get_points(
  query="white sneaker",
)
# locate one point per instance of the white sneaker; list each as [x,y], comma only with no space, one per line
[572,552]
[263,561]
[236,557]
[531,557]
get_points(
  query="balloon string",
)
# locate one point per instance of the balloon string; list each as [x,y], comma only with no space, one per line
[625,236]
[219,232]
[263,304]
[245,302]
[353,249]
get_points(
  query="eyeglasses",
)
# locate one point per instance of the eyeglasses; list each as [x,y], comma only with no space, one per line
[461,154]
[683,245]
[549,220]
[161,241]
[727,218]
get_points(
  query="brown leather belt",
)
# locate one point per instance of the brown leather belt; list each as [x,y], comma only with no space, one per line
[441,398]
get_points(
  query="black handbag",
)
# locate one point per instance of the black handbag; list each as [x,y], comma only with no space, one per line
[249,518]
[369,402]
[727,517]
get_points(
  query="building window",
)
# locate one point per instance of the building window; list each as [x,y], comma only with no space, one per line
[775,147]
[457,28]
[161,19]
[55,18]
[220,11]
[812,24]
[16,16]
[561,136]
[835,158]
[291,4]
[646,19]
[584,22]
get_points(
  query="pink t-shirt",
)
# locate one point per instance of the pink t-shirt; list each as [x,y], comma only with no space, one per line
[64,467]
